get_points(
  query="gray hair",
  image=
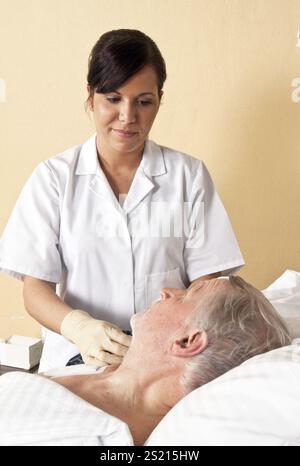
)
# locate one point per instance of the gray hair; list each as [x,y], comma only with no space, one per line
[240,323]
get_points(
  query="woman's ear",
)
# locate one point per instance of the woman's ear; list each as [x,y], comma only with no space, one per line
[192,343]
[90,98]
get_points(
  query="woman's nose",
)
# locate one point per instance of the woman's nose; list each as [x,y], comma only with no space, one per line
[127,113]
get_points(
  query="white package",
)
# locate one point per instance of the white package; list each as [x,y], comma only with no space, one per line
[20,352]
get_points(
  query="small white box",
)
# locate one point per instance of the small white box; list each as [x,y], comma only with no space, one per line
[21,352]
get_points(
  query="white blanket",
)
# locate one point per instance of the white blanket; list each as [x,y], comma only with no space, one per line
[38,411]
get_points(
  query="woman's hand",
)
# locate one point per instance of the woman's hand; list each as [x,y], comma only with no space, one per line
[99,342]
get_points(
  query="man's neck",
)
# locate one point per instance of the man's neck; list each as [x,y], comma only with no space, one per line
[141,402]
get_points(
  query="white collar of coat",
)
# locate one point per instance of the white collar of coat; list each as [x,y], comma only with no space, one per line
[152,163]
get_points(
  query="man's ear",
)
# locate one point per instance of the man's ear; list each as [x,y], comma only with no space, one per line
[191,343]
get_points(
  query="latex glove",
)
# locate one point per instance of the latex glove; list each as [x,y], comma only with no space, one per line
[99,342]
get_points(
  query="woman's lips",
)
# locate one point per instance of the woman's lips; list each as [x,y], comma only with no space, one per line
[125,134]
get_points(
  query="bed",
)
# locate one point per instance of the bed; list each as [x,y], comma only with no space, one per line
[256,403]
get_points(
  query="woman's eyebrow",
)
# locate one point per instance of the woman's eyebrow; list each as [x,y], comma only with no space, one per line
[139,95]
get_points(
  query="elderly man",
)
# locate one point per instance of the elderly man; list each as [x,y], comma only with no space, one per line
[181,342]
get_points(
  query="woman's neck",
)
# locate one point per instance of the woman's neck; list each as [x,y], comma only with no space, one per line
[114,161]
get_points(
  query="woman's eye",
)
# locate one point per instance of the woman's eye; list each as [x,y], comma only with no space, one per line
[145,102]
[113,100]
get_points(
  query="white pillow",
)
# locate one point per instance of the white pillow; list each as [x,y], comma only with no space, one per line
[284,294]
[257,403]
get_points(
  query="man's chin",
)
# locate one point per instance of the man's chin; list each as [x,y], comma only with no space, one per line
[132,319]
[136,317]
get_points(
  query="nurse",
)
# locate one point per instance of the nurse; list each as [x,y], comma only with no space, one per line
[101,228]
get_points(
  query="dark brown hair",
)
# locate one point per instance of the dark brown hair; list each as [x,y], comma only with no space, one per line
[118,55]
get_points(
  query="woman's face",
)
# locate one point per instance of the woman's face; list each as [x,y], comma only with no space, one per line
[132,108]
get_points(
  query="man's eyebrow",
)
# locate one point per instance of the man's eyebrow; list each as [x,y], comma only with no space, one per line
[143,93]
[186,294]
[196,287]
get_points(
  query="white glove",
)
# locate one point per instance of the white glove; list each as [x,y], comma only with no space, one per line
[99,342]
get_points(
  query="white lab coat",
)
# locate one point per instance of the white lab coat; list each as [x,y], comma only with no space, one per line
[68,228]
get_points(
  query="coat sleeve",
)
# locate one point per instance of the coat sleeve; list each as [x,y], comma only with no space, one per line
[29,244]
[210,243]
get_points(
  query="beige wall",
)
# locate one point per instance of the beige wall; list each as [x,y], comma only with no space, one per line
[227,100]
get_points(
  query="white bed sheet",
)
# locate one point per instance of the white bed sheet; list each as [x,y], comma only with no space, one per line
[49,414]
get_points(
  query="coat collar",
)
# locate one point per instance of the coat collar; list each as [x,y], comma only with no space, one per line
[152,163]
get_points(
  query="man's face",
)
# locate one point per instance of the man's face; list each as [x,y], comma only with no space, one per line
[170,312]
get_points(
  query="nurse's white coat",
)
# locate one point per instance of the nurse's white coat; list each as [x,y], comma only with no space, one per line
[68,228]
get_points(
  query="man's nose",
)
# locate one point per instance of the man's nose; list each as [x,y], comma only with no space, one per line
[167,293]
[127,113]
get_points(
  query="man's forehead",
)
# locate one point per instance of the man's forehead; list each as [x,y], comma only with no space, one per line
[208,285]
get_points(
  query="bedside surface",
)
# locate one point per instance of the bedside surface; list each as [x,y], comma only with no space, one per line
[4,369]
